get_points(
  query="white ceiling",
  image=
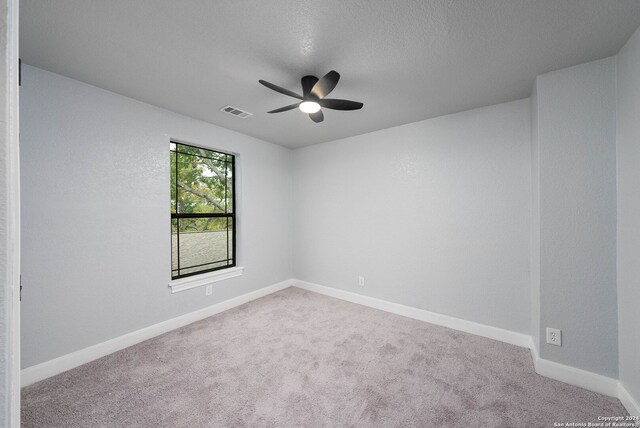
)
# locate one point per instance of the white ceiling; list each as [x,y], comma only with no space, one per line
[406,60]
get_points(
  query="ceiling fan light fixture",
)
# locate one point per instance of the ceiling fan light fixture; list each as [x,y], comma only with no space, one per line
[309,107]
[314,95]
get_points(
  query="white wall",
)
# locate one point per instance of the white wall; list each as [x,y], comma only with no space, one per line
[576,134]
[434,214]
[4,222]
[9,218]
[95,214]
[628,145]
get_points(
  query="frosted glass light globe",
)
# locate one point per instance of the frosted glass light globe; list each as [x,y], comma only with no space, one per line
[309,107]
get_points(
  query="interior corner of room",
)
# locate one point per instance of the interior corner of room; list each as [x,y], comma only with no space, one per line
[500,220]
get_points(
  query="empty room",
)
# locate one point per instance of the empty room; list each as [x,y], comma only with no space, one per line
[334,213]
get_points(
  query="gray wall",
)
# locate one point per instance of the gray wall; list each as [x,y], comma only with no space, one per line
[628,139]
[535,222]
[95,214]
[434,214]
[576,121]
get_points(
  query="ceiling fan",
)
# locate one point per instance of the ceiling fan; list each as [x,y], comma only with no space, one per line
[314,91]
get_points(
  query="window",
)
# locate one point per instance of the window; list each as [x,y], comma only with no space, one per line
[203,223]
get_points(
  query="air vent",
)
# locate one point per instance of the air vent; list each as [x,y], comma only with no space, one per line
[234,111]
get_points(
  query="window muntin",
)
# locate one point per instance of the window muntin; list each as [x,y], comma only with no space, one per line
[203,224]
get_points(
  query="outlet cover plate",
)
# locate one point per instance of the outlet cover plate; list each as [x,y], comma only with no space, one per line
[554,336]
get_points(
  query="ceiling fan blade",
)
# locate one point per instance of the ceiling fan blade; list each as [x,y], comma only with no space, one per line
[307,84]
[317,117]
[285,108]
[325,85]
[340,104]
[279,89]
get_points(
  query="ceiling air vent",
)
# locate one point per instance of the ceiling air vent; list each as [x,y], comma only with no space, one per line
[234,111]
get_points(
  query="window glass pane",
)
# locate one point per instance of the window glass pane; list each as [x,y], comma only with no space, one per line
[203,242]
[183,148]
[229,194]
[230,236]
[207,267]
[174,247]
[173,182]
[201,185]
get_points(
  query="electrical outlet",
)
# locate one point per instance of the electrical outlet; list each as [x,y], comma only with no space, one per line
[554,336]
[361,281]
[208,290]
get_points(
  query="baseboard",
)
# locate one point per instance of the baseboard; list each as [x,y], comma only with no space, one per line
[629,403]
[574,376]
[61,364]
[495,333]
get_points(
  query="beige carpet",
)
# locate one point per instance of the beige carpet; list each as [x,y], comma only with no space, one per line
[296,358]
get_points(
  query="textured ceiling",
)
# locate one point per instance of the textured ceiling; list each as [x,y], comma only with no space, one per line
[406,60]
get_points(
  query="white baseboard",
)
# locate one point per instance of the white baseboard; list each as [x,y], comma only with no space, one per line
[574,376]
[495,333]
[629,403]
[61,364]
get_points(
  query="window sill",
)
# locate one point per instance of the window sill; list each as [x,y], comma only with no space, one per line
[183,284]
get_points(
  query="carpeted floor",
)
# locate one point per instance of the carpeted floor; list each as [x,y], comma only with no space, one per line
[296,358]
